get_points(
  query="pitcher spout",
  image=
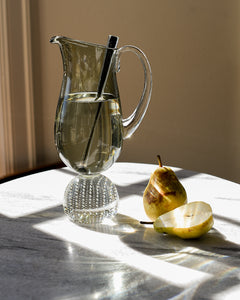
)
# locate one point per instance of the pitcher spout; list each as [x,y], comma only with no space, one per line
[82,65]
[55,39]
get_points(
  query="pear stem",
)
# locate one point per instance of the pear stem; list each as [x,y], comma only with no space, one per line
[159,161]
[145,222]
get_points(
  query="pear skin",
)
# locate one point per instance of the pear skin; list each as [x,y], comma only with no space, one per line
[163,193]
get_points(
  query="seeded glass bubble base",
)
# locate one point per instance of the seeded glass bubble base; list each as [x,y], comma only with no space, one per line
[90,199]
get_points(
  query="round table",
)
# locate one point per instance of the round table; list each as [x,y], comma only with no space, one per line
[45,256]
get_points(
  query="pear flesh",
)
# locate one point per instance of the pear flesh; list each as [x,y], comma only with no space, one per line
[163,193]
[188,221]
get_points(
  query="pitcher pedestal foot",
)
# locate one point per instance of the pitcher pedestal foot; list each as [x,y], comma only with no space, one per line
[90,199]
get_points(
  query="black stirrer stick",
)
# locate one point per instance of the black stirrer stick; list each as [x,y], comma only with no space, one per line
[112,44]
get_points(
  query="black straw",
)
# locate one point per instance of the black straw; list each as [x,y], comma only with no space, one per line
[112,43]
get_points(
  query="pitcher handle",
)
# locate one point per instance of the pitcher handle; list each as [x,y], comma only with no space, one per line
[131,123]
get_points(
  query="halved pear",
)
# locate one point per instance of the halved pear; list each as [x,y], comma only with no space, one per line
[188,221]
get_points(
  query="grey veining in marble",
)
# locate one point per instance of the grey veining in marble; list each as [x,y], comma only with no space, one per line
[45,256]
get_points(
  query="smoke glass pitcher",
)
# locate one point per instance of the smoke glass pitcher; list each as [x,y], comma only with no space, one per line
[89,129]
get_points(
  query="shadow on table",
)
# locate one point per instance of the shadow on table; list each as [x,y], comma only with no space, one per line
[212,254]
[196,254]
[146,240]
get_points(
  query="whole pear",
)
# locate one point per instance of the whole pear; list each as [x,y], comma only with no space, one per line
[163,193]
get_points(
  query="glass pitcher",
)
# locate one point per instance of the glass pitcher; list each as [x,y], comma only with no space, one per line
[89,128]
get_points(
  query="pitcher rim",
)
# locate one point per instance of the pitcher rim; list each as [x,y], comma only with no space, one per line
[55,40]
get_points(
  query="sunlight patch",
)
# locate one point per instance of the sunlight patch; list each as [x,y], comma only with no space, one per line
[99,242]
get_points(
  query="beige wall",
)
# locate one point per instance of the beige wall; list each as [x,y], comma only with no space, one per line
[194,51]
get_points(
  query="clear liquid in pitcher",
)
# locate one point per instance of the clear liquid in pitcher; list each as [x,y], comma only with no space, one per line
[88,133]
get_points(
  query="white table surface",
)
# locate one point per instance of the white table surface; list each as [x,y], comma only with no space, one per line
[45,256]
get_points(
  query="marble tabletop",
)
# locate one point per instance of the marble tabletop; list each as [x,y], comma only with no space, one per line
[45,256]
